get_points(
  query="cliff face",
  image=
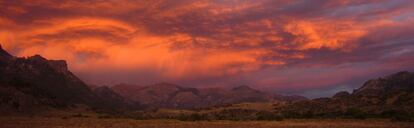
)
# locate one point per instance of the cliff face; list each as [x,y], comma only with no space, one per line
[45,76]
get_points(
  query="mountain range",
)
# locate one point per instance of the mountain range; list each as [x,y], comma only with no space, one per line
[33,84]
[29,85]
[166,95]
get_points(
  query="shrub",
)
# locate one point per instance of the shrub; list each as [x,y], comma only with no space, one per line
[402,118]
[236,114]
[265,115]
[193,117]
[309,114]
[104,117]
[79,115]
[355,113]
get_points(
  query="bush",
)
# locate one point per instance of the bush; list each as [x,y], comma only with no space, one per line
[265,115]
[309,114]
[79,115]
[193,117]
[403,117]
[104,117]
[236,114]
[355,113]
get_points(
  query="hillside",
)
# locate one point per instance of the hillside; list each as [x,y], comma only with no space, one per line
[387,96]
[35,84]
[166,95]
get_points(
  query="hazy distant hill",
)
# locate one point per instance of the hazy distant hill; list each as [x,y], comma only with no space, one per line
[126,90]
[166,95]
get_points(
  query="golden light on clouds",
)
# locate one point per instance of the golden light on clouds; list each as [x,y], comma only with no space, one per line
[329,34]
[206,42]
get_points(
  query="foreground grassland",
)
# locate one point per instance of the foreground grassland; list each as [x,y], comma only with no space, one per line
[20,122]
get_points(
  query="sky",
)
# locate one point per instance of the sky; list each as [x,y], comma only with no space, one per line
[308,47]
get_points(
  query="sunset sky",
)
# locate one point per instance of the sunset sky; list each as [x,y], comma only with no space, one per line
[308,47]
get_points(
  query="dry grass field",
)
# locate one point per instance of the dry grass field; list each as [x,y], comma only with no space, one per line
[24,122]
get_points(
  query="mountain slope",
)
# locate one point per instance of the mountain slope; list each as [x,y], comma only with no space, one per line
[380,96]
[114,100]
[35,83]
[125,90]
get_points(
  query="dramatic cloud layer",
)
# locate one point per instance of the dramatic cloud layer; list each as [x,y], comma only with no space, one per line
[311,47]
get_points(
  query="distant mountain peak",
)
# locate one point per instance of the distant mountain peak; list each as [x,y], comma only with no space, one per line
[341,94]
[242,87]
[37,57]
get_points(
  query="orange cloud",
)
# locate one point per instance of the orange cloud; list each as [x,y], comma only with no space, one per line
[141,50]
[325,34]
[107,6]
[204,39]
